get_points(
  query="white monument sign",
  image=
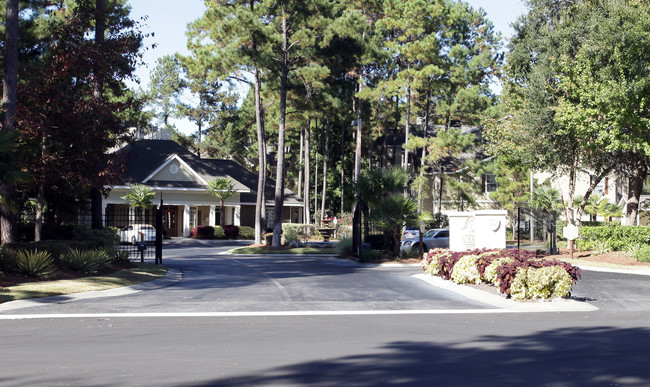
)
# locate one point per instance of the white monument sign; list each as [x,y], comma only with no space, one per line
[485,229]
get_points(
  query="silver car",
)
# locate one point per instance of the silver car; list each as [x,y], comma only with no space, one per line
[435,238]
[135,233]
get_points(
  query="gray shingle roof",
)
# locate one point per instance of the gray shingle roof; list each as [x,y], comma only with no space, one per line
[144,157]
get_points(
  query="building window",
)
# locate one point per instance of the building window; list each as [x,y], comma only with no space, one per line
[490,184]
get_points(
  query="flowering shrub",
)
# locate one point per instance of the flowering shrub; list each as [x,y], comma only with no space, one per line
[465,271]
[429,262]
[543,282]
[490,273]
[518,273]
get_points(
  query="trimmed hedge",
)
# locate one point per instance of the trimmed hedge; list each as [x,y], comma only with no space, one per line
[613,237]
[519,274]
[202,232]
[231,231]
[246,232]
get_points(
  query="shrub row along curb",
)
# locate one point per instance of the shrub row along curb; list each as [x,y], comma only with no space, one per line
[518,274]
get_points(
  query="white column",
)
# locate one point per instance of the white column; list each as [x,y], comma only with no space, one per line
[186,221]
[237,220]
[212,218]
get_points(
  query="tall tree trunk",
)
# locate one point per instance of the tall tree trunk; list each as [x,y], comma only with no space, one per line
[98,92]
[342,168]
[316,176]
[222,213]
[8,218]
[357,149]
[38,218]
[440,191]
[407,127]
[260,203]
[306,204]
[637,175]
[279,183]
[326,154]
[300,160]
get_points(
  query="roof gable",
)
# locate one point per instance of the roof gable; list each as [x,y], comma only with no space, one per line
[175,169]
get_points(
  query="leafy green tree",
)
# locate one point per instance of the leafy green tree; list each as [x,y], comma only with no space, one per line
[445,146]
[233,38]
[572,88]
[165,88]
[513,187]
[222,189]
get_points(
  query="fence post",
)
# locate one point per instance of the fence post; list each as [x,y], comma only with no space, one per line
[159,232]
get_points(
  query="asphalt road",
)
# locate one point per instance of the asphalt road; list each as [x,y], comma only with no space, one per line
[322,321]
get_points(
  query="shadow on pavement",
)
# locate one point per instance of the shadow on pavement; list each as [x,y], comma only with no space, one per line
[600,356]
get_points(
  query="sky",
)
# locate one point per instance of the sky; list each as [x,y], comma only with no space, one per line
[168,21]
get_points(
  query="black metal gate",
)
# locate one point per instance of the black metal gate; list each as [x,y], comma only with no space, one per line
[140,231]
[535,224]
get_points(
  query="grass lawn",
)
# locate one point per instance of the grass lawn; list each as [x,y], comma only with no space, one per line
[296,251]
[143,272]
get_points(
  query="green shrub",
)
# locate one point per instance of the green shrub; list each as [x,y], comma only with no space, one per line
[293,233]
[97,239]
[55,248]
[87,261]
[643,254]
[35,263]
[218,232]
[246,232]
[409,253]
[371,255]
[344,247]
[617,237]
[343,231]
[122,257]
[601,247]
[8,259]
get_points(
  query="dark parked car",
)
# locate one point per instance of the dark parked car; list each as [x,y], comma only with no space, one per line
[438,237]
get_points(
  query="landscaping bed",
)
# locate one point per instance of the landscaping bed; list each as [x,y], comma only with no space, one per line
[519,274]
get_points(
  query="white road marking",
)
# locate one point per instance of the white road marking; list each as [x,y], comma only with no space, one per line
[255,314]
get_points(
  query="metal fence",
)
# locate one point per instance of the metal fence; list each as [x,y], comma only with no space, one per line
[139,231]
[537,225]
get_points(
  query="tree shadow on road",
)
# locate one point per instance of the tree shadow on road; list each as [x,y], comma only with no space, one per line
[599,356]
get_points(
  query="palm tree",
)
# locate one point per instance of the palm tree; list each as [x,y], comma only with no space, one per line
[140,196]
[222,189]
[392,213]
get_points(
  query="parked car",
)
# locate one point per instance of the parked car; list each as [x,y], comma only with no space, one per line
[135,233]
[411,232]
[438,237]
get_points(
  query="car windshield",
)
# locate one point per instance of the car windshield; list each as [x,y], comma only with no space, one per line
[430,233]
